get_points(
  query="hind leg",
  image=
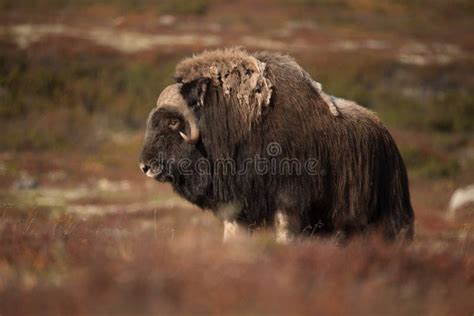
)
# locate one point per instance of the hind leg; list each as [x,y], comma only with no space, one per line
[286,227]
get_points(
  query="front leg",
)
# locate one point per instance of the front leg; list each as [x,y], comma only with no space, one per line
[228,214]
[232,230]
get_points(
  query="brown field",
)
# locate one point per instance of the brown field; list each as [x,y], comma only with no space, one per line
[83,232]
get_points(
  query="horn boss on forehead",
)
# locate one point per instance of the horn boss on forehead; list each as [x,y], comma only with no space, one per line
[171,97]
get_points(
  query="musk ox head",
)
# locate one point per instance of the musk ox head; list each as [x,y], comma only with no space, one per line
[174,129]
[171,135]
[173,149]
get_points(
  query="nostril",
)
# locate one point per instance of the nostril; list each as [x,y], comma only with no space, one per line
[144,168]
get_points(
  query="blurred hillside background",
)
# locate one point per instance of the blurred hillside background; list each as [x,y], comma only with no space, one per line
[75,73]
[77,80]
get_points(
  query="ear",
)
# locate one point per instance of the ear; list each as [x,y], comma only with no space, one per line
[194,92]
[201,87]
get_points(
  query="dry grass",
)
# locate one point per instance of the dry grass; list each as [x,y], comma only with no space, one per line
[109,265]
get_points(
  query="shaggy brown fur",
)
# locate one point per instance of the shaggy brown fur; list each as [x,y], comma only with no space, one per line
[244,102]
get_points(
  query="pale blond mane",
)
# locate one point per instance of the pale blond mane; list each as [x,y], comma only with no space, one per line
[240,75]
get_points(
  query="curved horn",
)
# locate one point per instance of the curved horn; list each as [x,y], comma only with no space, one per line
[171,96]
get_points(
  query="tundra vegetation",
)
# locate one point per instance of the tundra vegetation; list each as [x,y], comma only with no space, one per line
[81,232]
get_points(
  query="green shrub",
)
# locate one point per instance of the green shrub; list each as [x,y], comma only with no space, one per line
[426,163]
[197,7]
[452,111]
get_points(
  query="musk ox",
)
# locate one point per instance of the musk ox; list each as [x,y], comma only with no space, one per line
[252,137]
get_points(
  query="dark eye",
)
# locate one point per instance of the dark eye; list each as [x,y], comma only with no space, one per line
[173,124]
